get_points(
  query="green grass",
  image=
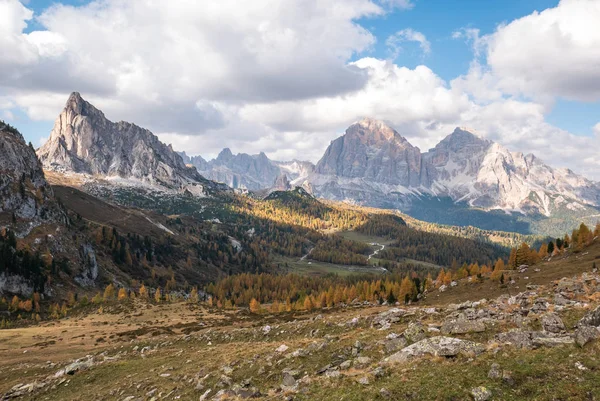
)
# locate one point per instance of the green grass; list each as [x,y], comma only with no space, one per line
[313,267]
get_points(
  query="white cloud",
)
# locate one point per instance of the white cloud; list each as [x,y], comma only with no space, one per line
[553,53]
[394,42]
[472,37]
[166,64]
[275,77]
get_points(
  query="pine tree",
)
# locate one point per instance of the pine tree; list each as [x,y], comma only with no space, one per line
[194,295]
[254,306]
[308,305]
[143,292]
[109,292]
[157,296]
[512,259]
[122,294]
[551,248]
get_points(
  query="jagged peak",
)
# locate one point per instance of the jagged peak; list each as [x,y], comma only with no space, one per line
[374,129]
[225,153]
[78,105]
[466,132]
[460,137]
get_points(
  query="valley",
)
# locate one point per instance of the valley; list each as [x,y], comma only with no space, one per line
[141,279]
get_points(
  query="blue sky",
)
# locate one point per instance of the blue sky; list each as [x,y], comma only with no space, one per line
[295,96]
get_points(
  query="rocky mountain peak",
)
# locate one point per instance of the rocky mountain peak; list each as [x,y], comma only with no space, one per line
[373,132]
[372,150]
[225,155]
[83,140]
[461,138]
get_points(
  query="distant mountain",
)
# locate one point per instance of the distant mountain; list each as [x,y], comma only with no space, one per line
[372,164]
[84,141]
[252,172]
[487,175]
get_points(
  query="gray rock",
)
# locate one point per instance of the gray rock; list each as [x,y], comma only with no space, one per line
[395,344]
[361,362]
[591,319]
[436,346]
[543,341]
[495,372]
[569,285]
[517,338]
[462,326]
[481,394]
[585,334]
[78,365]
[414,332]
[288,380]
[552,323]
[24,190]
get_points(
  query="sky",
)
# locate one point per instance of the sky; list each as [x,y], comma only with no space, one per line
[287,77]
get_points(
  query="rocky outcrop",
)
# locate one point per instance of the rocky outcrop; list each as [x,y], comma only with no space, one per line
[24,191]
[282,183]
[83,140]
[89,274]
[436,346]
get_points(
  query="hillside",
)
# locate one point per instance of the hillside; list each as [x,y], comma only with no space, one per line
[526,343]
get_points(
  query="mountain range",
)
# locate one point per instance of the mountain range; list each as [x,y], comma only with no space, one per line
[374,164]
[463,180]
[251,172]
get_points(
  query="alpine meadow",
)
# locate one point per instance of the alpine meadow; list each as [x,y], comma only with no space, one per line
[299,200]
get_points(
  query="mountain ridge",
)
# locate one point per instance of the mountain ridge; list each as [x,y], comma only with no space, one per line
[463,167]
[84,141]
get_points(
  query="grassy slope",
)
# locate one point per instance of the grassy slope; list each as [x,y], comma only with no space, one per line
[235,339]
[559,267]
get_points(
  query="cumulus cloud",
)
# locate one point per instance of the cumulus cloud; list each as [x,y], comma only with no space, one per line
[548,54]
[277,77]
[394,42]
[173,60]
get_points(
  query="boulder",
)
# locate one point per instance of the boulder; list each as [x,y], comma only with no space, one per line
[415,332]
[552,323]
[591,319]
[547,341]
[585,334]
[436,346]
[288,380]
[481,394]
[517,338]
[495,372]
[395,344]
[462,326]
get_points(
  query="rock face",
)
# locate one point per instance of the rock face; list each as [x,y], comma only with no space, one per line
[244,171]
[373,151]
[373,164]
[436,346]
[282,183]
[23,187]
[83,140]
